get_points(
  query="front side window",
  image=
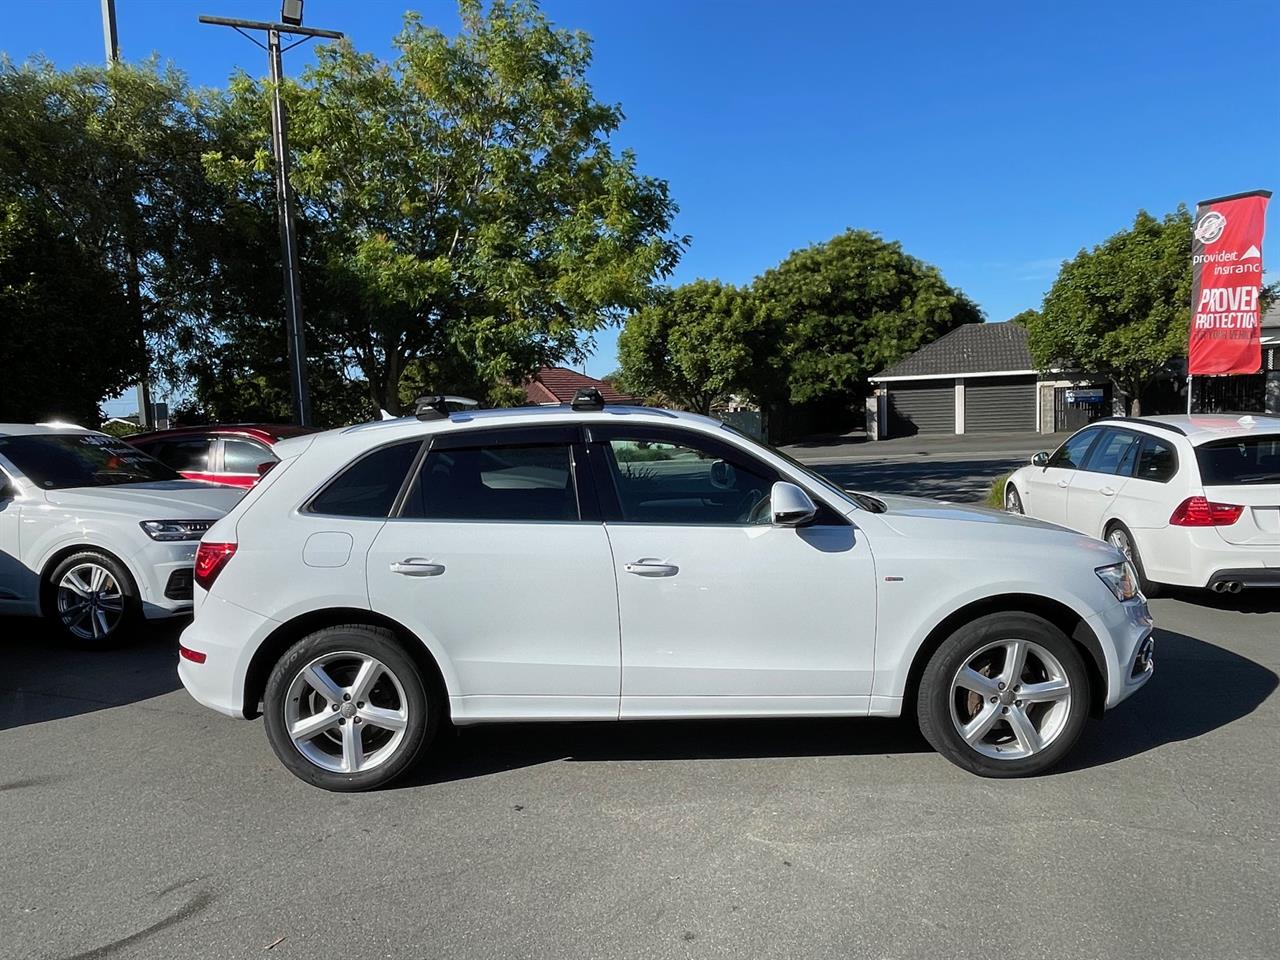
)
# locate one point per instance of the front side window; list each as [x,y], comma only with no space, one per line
[496,482]
[369,486]
[1157,460]
[244,456]
[1070,456]
[1240,461]
[1114,453]
[679,483]
[55,462]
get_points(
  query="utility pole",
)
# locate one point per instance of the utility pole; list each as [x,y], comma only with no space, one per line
[111,45]
[291,12]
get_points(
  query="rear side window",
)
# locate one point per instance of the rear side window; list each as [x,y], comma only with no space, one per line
[1240,461]
[1114,453]
[188,455]
[368,487]
[498,482]
[1156,460]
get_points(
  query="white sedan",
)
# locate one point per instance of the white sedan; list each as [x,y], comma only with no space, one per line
[609,563]
[1191,500]
[94,534]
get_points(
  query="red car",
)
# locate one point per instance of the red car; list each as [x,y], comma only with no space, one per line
[232,454]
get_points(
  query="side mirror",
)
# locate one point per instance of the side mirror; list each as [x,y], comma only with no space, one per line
[789,506]
[1041,459]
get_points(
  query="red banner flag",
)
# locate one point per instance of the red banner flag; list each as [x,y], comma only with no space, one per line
[1226,264]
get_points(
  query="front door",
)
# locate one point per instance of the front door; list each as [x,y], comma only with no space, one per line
[1096,490]
[1047,486]
[722,613]
[494,563]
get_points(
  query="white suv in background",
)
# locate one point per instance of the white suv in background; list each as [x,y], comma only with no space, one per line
[95,534]
[1191,500]
[613,563]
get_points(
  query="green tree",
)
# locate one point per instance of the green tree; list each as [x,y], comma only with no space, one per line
[1026,317]
[697,345]
[462,212]
[1121,309]
[851,306]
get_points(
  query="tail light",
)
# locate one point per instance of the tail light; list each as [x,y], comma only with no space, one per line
[1199,512]
[210,559]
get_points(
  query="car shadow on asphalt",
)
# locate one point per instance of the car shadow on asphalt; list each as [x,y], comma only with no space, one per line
[43,680]
[1197,688]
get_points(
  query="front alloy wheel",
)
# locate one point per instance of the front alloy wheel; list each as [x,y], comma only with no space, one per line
[91,600]
[1012,502]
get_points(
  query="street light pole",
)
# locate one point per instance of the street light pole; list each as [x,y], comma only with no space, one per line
[285,211]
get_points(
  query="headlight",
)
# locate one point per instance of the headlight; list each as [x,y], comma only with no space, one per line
[175,529]
[1121,579]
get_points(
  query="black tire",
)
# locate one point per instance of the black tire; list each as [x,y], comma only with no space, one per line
[1118,531]
[1012,499]
[68,628]
[421,705]
[935,696]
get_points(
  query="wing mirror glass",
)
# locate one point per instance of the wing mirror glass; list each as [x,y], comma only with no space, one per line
[790,506]
[1041,459]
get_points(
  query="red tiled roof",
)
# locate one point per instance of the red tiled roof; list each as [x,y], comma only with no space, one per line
[558,385]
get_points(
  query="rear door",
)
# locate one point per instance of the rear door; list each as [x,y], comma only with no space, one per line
[498,560]
[1096,492]
[1245,470]
[1047,486]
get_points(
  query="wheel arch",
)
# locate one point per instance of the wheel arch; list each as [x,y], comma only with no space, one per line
[1054,611]
[291,631]
[61,553]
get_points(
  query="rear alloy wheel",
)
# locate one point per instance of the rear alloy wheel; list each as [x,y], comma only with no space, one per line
[1120,538]
[1004,696]
[1012,502]
[347,708]
[92,600]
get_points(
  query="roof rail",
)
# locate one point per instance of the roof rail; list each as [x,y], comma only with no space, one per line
[437,407]
[588,398]
[1146,423]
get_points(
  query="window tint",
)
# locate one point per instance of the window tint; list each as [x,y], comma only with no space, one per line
[1070,455]
[81,460]
[661,482]
[1156,460]
[244,456]
[368,487]
[187,455]
[495,483]
[1240,461]
[1114,453]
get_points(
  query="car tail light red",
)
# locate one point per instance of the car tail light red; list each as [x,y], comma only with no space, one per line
[1200,512]
[210,559]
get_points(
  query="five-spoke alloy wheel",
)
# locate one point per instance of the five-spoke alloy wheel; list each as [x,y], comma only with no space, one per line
[1006,695]
[347,708]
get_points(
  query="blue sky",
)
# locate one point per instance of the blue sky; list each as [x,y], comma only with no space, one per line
[993,139]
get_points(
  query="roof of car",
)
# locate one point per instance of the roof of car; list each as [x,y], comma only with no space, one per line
[31,429]
[268,432]
[1203,427]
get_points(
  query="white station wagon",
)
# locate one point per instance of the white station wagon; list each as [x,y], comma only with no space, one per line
[607,563]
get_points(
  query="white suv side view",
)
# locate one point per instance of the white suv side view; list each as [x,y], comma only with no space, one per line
[94,534]
[607,563]
[1191,500]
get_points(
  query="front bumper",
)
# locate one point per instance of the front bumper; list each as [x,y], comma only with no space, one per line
[1125,632]
[156,567]
[227,635]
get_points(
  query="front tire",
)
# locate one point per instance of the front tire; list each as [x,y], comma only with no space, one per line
[1012,501]
[92,601]
[1004,696]
[1118,536]
[347,709]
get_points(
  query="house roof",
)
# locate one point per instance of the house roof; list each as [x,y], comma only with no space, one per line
[1271,320]
[559,385]
[973,349]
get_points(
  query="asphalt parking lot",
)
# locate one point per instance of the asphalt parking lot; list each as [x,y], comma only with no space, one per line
[137,824]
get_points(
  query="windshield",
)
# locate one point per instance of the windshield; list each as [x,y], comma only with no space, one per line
[856,499]
[54,462]
[1240,461]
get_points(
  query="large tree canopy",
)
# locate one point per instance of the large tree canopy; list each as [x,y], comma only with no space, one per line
[1121,309]
[697,345]
[852,306]
[461,207]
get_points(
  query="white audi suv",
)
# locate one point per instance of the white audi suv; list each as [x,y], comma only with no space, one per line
[96,535]
[609,563]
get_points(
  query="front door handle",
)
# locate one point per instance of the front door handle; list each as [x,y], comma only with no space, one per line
[1108,491]
[651,568]
[417,567]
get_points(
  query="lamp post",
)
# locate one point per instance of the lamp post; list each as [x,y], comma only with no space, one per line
[291,25]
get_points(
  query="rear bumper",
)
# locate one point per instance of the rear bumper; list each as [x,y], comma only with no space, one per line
[1199,557]
[227,635]
[1247,577]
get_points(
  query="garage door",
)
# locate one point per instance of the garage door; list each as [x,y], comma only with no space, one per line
[1000,405]
[928,407]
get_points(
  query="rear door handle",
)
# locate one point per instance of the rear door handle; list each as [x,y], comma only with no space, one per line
[651,568]
[417,567]
[1108,491]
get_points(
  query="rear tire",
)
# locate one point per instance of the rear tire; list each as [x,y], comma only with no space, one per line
[1004,696]
[1118,536]
[348,709]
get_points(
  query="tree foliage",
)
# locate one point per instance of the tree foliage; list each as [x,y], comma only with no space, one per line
[461,208]
[1121,309]
[697,345]
[851,306]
